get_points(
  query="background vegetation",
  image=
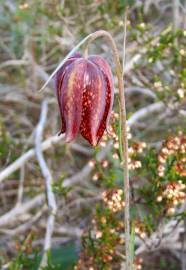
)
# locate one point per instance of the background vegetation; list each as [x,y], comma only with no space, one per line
[88,232]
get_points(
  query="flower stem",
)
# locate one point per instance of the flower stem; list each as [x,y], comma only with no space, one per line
[88,40]
[124,139]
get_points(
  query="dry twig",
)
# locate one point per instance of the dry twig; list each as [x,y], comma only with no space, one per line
[48,182]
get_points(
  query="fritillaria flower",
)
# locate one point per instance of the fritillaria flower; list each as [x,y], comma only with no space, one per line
[85,93]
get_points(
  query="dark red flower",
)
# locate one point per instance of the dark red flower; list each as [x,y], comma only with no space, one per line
[85,93]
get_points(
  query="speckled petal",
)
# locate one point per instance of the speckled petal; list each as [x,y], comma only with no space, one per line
[85,93]
[71,95]
[58,83]
[103,124]
[94,102]
[105,68]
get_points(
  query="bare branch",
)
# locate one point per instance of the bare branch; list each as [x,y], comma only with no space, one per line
[14,63]
[14,213]
[141,90]
[176,15]
[145,111]
[21,185]
[27,156]
[48,181]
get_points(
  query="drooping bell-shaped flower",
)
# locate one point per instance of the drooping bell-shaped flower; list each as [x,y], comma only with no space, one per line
[85,93]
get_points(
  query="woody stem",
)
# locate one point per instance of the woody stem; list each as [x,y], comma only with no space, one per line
[124,139]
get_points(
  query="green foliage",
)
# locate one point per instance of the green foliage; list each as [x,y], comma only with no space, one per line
[59,189]
[26,258]
[60,258]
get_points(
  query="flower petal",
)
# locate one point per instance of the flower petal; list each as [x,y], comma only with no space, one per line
[71,95]
[105,68]
[58,83]
[108,107]
[94,100]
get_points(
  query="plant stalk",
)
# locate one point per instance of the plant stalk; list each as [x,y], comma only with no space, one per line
[119,72]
